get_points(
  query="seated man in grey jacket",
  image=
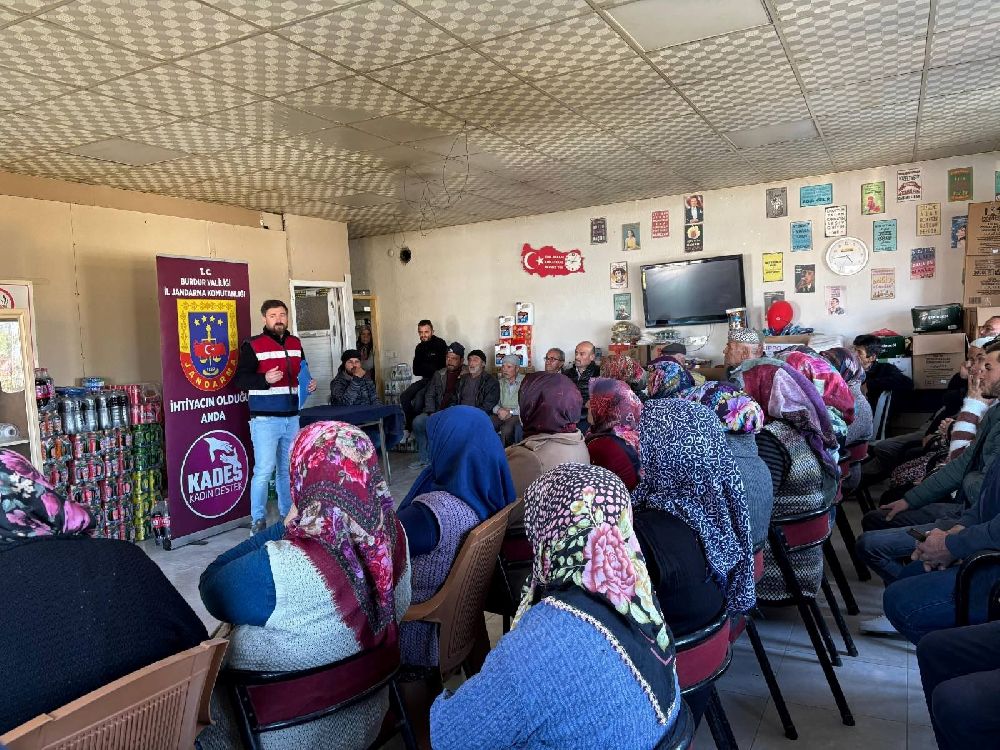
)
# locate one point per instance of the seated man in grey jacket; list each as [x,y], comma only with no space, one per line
[929,507]
[440,393]
[352,386]
[476,387]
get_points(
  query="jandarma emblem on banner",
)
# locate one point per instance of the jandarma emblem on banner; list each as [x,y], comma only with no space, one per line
[206,333]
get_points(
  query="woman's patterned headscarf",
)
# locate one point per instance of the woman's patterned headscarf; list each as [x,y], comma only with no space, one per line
[689,471]
[347,526]
[847,364]
[735,409]
[622,367]
[828,381]
[579,520]
[665,377]
[615,410]
[30,507]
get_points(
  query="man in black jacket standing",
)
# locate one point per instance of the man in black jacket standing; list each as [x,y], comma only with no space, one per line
[428,358]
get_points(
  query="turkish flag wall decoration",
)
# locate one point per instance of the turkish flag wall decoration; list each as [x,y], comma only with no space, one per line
[547,261]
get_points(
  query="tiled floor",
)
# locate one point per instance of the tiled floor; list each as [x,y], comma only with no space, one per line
[882,683]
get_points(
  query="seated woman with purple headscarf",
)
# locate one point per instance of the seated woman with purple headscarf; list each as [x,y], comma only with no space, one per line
[798,444]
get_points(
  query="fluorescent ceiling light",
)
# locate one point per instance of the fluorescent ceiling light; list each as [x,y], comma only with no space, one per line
[656,24]
[121,151]
[784,132]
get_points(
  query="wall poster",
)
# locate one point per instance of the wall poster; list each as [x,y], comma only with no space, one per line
[928,219]
[922,263]
[771,297]
[774,267]
[884,235]
[873,198]
[883,283]
[805,279]
[694,224]
[816,195]
[623,306]
[835,221]
[660,225]
[598,231]
[909,185]
[959,230]
[835,296]
[801,236]
[959,184]
[630,236]
[547,261]
[204,306]
[776,203]
[619,274]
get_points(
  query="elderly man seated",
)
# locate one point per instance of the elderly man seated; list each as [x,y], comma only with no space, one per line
[352,386]
[554,360]
[583,369]
[741,345]
[477,387]
[440,393]
[506,414]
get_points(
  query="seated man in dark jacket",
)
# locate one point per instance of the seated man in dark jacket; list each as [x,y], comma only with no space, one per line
[476,387]
[580,372]
[879,376]
[441,392]
[352,386]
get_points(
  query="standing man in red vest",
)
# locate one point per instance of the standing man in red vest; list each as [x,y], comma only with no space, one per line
[269,372]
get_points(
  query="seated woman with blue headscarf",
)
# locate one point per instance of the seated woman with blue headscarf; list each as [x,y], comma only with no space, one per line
[467,481]
[692,520]
[665,378]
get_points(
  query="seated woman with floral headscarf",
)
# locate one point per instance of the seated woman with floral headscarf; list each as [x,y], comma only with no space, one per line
[467,481]
[589,662]
[550,408]
[330,582]
[798,444]
[622,367]
[78,612]
[830,385]
[860,430]
[665,378]
[613,438]
[742,419]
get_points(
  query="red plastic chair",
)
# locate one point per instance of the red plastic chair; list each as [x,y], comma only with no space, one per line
[746,623]
[797,533]
[702,658]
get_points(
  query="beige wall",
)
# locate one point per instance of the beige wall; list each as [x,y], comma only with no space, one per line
[93,269]
[464,277]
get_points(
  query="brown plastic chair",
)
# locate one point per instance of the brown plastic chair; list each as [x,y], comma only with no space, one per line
[160,707]
[458,606]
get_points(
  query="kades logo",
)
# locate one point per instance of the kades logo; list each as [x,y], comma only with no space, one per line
[206,333]
[214,474]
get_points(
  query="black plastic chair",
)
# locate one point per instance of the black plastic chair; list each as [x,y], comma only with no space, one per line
[981,563]
[703,656]
[270,701]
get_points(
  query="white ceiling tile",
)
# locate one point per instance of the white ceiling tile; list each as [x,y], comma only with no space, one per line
[655,24]
[159,28]
[504,105]
[955,107]
[449,75]
[868,121]
[126,153]
[40,49]
[361,200]
[758,113]
[941,152]
[613,79]
[266,64]
[722,56]
[555,126]
[956,14]
[834,22]
[479,20]
[193,138]
[652,106]
[326,144]
[85,109]
[965,45]
[399,129]
[42,135]
[350,100]
[19,90]
[861,62]
[268,13]
[955,79]
[193,169]
[771,82]
[858,95]
[63,166]
[975,126]
[177,91]
[557,48]
[265,121]
[371,35]
[144,181]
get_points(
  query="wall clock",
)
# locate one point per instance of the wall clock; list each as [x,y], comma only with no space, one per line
[846,256]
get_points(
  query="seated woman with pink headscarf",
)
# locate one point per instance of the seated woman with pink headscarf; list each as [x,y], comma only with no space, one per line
[331,582]
[613,438]
[798,444]
[624,368]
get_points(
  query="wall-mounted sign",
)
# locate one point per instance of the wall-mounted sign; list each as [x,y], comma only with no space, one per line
[547,261]
[816,195]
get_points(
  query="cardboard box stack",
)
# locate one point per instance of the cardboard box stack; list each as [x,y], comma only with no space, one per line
[936,358]
[897,350]
[982,258]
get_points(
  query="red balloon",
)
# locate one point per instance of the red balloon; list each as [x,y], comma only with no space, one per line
[779,315]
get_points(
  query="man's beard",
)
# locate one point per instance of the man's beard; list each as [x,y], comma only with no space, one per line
[278,328]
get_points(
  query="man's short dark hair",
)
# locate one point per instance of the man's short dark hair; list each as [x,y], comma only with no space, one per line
[270,304]
[993,346]
[869,343]
[425,322]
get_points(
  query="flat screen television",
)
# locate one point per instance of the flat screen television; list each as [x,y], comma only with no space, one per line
[688,292]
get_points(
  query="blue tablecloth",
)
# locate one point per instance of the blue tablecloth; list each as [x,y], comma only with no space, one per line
[391,415]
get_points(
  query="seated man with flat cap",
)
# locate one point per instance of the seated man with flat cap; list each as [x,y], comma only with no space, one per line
[352,386]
